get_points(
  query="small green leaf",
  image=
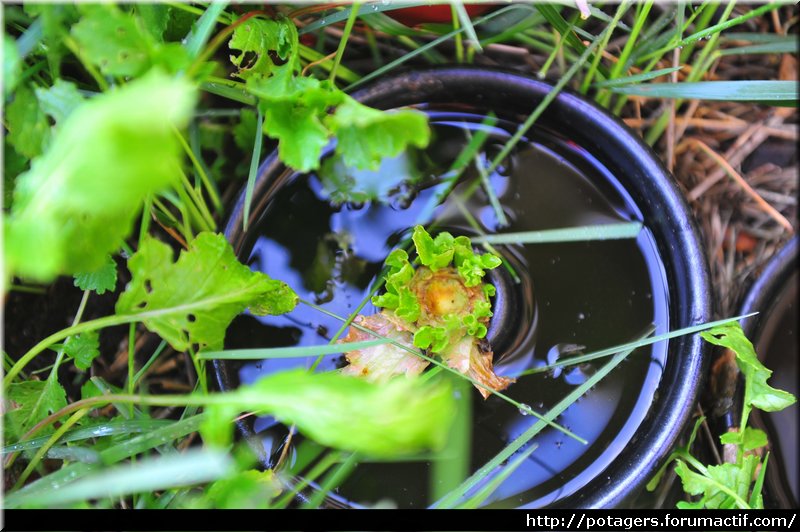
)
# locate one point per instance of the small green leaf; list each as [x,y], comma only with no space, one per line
[193,300]
[100,280]
[29,403]
[59,100]
[365,136]
[28,129]
[430,254]
[83,348]
[400,417]
[757,392]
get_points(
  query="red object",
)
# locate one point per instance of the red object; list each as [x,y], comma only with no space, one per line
[437,13]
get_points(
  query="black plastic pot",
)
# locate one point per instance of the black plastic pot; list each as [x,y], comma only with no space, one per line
[774,295]
[665,213]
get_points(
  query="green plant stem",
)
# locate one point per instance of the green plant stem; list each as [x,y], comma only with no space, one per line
[210,188]
[253,173]
[110,321]
[621,66]
[325,463]
[131,360]
[348,28]
[199,204]
[153,357]
[37,458]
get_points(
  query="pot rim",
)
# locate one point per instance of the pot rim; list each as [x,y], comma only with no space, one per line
[775,274]
[682,254]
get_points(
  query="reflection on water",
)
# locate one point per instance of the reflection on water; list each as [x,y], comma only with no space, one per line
[584,296]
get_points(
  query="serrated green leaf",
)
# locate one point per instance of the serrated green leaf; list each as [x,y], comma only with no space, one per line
[28,129]
[59,100]
[195,298]
[83,348]
[29,402]
[259,37]
[364,136]
[757,392]
[400,417]
[155,18]
[100,280]
[78,201]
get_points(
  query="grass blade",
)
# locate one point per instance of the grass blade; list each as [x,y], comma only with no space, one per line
[422,49]
[251,176]
[781,93]
[570,234]
[787,45]
[553,16]
[486,491]
[93,431]
[289,352]
[633,345]
[338,16]
[121,451]
[636,78]
[151,474]
[453,497]
[202,29]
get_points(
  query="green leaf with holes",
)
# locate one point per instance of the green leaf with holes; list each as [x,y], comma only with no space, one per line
[192,301]
[255,38]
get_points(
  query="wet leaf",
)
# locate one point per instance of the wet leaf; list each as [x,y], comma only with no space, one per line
[194,299]
[382,362]
[475,360]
